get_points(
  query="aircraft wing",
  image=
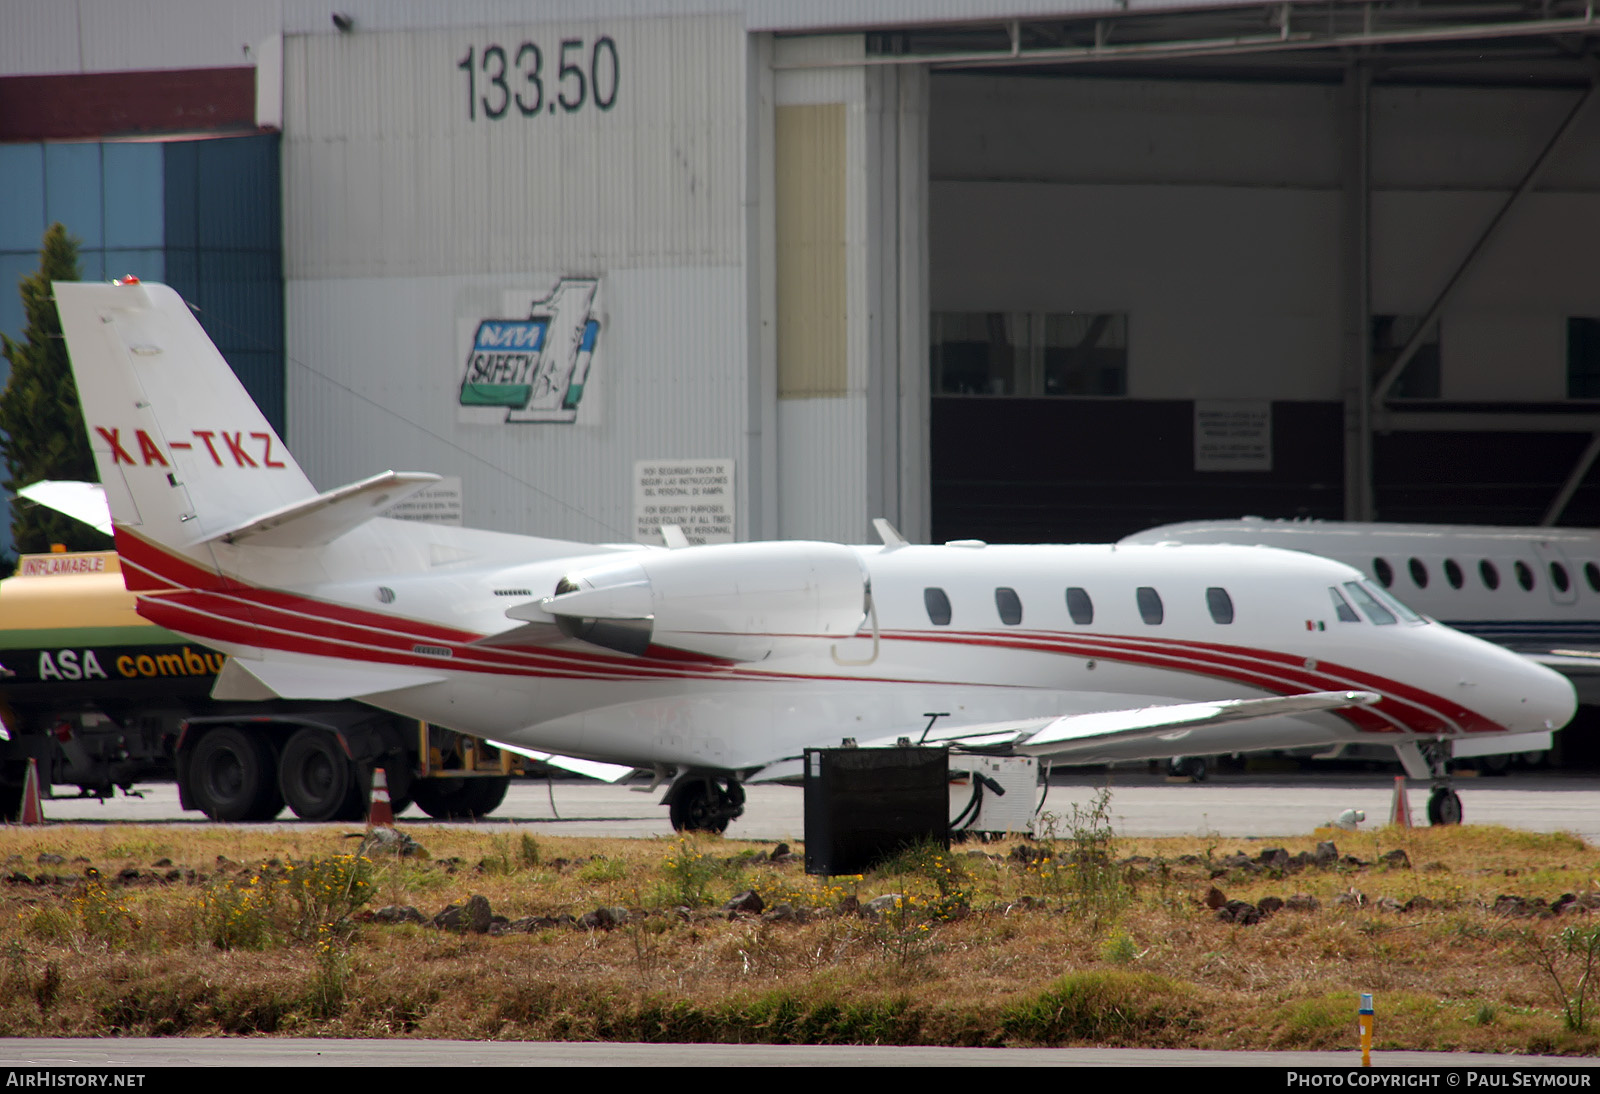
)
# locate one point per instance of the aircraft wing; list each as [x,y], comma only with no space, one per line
[1070,733]
[85,501]
[589,769]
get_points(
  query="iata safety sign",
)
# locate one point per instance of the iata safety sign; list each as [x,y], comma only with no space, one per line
[535,366]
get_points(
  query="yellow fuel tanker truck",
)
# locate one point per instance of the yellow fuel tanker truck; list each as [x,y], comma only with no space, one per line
[102,699]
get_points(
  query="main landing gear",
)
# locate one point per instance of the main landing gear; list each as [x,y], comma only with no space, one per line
[700,802]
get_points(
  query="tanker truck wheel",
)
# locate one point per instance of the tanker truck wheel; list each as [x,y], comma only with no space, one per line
[460,798]
[233,775]
[318,780]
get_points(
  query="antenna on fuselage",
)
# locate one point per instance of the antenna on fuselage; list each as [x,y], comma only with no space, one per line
[888,533]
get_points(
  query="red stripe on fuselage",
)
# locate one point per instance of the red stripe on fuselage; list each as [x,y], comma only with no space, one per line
[229,611]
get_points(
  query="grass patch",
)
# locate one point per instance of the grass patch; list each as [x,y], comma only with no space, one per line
[247,931]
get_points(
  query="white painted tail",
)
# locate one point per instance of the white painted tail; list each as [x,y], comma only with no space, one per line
[183,452]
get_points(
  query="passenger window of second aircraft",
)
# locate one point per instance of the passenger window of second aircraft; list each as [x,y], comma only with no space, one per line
[938,605]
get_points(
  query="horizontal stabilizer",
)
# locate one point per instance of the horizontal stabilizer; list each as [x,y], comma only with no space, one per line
[258,680]
[589,769]
[85,501]
[318,521]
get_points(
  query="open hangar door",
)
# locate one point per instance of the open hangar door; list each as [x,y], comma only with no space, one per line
[1325,260]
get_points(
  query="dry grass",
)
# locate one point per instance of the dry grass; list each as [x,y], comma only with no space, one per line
[983,949]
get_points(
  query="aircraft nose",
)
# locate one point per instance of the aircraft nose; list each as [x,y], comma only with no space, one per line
[1537,698]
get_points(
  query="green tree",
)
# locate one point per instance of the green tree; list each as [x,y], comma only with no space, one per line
[41,426]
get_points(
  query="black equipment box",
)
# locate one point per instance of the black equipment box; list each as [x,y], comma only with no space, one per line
[866,804]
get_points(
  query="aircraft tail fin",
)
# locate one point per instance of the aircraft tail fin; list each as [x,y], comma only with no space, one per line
[183,451]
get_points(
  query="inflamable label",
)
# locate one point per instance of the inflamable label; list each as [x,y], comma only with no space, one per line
[536,367]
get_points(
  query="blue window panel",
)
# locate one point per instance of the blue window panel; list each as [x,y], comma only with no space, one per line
[240,314]
[183,273]
[91,265]
[180,180]
[22,222]
[13,268]
[135,202]
[145,264]
[262,376]
[72,190]
[238,194]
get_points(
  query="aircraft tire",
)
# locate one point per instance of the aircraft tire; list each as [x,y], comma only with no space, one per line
[459,799]
[233,777]
[703,805]
[317,779]
[1444,807]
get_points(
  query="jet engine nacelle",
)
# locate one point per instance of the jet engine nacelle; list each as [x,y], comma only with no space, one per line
[741,601]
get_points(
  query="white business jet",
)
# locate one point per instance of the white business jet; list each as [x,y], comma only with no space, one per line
[720,664]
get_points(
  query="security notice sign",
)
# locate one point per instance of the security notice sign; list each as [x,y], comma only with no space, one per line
[1232,435]
[696,495]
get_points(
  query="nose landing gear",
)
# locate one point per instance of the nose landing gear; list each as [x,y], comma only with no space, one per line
[1444,804]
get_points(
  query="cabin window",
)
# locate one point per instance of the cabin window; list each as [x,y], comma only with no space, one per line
[1489,574]
[1558,577]
[1009,605]
[1220,605]
[1452,573]
[938,606]
[1079,606]
[1368,603]
[1342,607]
[1383,572]
[1150,609]
[1524,574]
[1419,573]
[1591,574]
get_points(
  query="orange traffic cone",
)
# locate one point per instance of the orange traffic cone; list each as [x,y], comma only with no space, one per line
[381,814]
[32,808]
[1400,812]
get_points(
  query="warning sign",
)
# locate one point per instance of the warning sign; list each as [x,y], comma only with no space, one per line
[696,495]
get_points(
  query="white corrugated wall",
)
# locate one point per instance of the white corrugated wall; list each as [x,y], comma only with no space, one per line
[410,213]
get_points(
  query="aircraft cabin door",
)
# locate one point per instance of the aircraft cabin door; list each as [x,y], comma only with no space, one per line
[1558,574]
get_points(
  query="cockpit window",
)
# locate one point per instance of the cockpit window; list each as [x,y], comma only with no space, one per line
[1220,604]
[1388,600]
[1079,606]
[1342,607]
[1376,612]
[938,605]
